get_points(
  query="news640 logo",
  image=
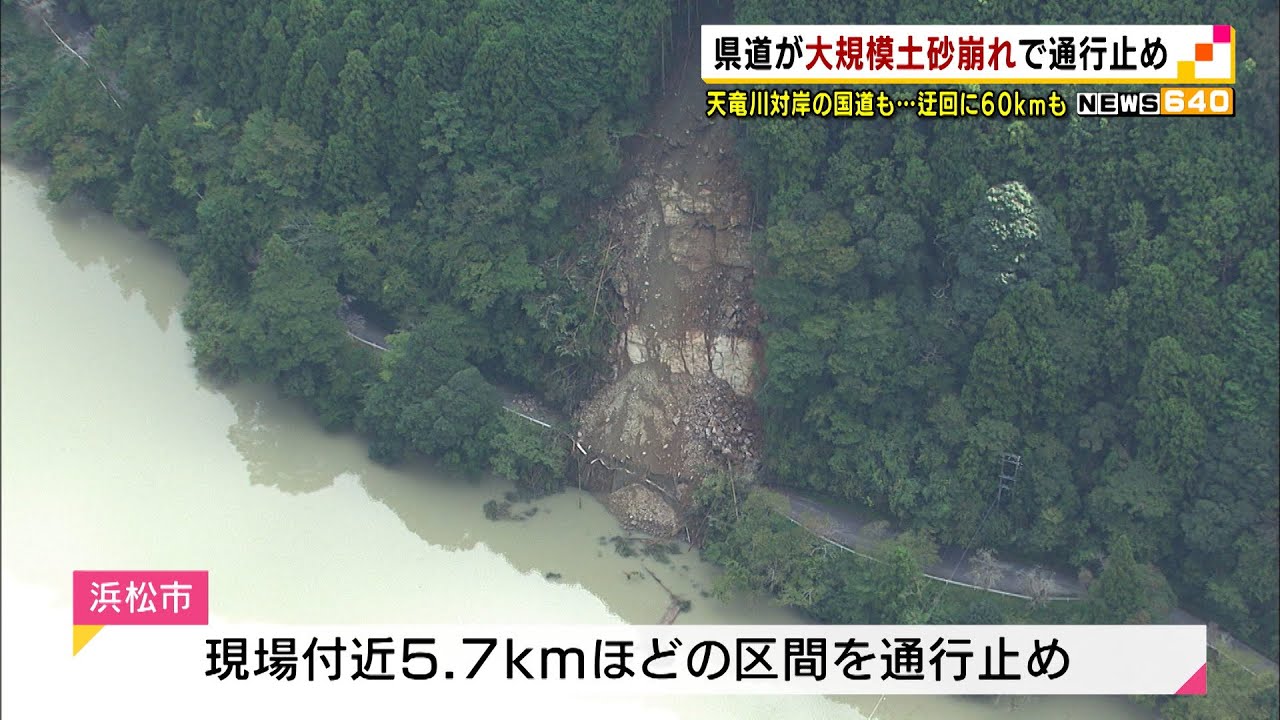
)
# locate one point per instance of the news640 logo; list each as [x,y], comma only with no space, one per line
[1177,101]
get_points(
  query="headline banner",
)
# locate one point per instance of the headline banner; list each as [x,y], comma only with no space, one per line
[968,54]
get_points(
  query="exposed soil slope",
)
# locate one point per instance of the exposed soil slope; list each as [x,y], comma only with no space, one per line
[680,405]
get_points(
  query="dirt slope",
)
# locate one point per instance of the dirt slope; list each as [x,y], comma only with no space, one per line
[680,405]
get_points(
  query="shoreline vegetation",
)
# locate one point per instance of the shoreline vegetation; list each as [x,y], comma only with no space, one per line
[1097,297]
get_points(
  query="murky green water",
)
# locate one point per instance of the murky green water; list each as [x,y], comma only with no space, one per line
[116,455]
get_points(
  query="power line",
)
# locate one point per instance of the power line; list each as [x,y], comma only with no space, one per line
[1008,477]
[969,545]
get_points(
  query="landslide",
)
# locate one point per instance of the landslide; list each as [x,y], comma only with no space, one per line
[679,406]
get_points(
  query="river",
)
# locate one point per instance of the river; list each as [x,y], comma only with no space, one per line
[116,454]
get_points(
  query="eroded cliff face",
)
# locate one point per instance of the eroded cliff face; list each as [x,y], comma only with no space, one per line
[680,406]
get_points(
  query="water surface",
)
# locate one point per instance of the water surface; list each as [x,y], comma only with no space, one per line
[116,454]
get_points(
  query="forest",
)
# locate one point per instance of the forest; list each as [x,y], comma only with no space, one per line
[1097,296]
[760,549]
[431,166]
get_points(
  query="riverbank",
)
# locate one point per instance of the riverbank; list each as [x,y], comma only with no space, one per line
[103,413]
[296,267]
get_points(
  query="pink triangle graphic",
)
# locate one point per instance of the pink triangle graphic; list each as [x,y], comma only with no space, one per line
[1197,685]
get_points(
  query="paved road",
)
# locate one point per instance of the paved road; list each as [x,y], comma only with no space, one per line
[859,534]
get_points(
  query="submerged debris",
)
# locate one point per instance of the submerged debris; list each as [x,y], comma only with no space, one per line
[648,547]
[497,511]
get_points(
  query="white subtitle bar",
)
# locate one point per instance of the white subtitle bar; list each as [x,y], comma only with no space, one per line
[660,660]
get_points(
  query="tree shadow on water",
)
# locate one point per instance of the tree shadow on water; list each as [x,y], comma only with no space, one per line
[284,447]
[137,264]
[281,445]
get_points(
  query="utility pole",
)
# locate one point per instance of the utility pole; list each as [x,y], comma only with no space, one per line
[1010,464]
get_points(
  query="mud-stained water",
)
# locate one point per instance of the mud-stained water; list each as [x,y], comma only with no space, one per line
[116,455]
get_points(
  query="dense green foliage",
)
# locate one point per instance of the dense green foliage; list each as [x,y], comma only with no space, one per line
[531,456]
[429,164]
[1233,693]
[763,551]
[1098,296]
